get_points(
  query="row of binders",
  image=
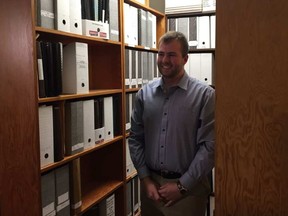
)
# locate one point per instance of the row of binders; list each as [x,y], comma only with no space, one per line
[55,192]
[199,30]
[139,27]
[133,200]
[61,193]
[62,69]
[97,18]
[140,68]
[77,126]
[200,66]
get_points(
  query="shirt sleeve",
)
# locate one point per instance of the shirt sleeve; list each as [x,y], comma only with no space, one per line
[203,161]
[136,139]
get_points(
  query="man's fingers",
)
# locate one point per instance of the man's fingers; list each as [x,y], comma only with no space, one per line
[169,203]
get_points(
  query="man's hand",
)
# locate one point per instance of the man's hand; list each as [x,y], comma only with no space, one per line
[170,193]
[151,188]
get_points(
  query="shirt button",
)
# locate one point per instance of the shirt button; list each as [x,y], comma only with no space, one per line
[162,146]
[163,130]
[165,113]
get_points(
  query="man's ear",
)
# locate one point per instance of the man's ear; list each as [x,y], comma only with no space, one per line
[186,59]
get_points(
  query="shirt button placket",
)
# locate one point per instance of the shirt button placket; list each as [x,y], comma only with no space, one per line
[164,124]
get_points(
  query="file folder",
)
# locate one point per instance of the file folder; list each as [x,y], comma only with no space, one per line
[99,120]
[75,16]
[74,140]
[46,135]
[108,118]
[48,193]
[62,17]
[88,124]
[75,68]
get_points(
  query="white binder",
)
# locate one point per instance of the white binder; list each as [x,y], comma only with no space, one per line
[203,29]
[108,118]
[62,10]
[206,67]
[75,68]
[194,65]
[201,65]
[154,31]
[75,16]
[88,123]
[133,28]
[46,135]
[213,31]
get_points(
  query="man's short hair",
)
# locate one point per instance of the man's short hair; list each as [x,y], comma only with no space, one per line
[175,35]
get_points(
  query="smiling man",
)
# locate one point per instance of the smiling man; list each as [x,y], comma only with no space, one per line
[172,136]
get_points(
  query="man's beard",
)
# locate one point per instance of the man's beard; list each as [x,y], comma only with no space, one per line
[173,72]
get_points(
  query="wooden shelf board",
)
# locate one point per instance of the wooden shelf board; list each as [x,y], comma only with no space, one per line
[131,176]
[67,36]
[80,154]
[97,194]
[91,93]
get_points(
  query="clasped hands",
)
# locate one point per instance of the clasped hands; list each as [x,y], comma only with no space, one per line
[167,193]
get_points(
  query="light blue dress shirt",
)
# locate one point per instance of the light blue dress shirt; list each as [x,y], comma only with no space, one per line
[174,130]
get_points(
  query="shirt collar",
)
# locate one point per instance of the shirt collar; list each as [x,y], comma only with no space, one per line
[183,83]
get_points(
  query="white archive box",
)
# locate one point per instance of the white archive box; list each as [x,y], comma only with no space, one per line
[95,29]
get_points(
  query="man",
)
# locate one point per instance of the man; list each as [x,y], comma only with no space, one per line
[172,136]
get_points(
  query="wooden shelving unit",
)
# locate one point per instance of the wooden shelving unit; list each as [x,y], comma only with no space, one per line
[102,166]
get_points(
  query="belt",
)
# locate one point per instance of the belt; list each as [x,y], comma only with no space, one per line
[167,174]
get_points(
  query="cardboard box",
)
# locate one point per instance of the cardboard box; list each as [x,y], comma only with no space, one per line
[95,29]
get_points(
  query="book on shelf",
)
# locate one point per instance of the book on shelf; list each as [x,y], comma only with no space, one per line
[75,78]
[107,206]
[108,118]
[75,185]
[135,194]
[88,123]
[46,135]
[129,164]
[208,5]
[200,66]
[58,132]
[62,15]
[74,139]
[87,10]
[62,188]
[129,204]
[199,30]
[48,195]
[45,14]
[75,16]
[41,82]
[52,66]
[117,115]
[114,20]
[99,119]
[142,27]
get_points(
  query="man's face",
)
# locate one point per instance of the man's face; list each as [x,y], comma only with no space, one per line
[170,61]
